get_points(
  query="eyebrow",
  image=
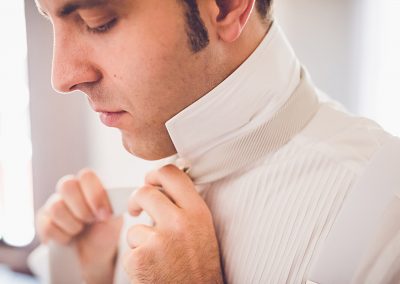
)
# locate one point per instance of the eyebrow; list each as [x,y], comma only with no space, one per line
[72,6]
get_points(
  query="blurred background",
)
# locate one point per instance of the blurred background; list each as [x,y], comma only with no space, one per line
[350,47]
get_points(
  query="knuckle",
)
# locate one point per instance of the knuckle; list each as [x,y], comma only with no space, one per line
[65,181]
[171,167]
[56,208]
[142,192]
[67,187]
[86,173]
[167,169]
[51,200]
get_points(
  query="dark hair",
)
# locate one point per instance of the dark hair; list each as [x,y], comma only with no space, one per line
[264,8]
[197,31]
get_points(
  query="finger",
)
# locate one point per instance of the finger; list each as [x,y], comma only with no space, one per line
[95,194]
[61,216]
[69,189]
[139,234]
[176,184]
[154,202]
[48,231]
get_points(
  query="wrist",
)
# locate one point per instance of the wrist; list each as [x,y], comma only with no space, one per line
[97,269]
[98,274]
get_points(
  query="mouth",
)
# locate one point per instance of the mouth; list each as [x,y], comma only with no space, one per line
[108,116]
[111,118]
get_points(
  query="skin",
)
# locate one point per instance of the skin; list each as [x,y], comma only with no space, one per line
[150,80]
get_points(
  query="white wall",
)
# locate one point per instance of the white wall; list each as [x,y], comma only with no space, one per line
[380,71]
[351,49]
[327,37]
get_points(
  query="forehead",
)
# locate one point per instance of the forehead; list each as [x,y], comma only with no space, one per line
[65,7]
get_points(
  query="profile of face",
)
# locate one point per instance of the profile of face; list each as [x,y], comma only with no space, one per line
[139,62]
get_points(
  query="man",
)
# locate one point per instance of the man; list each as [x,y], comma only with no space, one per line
[268,166]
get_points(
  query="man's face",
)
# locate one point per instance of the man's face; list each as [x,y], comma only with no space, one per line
[133,61]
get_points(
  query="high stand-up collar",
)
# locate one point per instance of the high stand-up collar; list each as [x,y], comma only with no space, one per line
[251,96]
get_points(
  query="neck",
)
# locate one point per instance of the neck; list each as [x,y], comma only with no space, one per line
[229,56]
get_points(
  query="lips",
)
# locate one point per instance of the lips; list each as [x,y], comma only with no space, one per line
[112,119]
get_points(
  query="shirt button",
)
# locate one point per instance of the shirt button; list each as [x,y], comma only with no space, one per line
[183,165]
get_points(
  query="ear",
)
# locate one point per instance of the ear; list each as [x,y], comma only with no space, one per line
[232,18]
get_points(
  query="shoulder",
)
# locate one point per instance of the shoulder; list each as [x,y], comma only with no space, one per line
[349,140]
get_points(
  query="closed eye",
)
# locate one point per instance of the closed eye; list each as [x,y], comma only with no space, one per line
[103,28]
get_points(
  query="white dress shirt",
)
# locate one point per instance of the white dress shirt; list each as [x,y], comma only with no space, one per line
[274,161]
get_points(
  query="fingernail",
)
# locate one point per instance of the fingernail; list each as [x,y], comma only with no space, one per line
[103,214]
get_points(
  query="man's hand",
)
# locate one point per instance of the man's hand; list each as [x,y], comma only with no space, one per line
[182,246]
[79,213]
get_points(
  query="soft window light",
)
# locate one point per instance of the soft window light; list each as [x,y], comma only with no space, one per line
[388,78]
[381,94]
[16,200]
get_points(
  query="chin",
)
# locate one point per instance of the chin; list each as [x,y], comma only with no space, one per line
[142,149]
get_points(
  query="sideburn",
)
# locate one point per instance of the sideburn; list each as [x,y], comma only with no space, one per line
[196,30]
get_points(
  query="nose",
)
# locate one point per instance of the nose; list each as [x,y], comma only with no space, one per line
[72,67]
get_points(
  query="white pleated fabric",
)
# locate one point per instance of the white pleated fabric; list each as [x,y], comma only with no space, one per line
[271,217]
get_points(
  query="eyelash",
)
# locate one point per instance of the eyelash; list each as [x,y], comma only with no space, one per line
[103,28]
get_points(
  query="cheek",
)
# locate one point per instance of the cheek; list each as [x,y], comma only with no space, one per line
[151,75]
